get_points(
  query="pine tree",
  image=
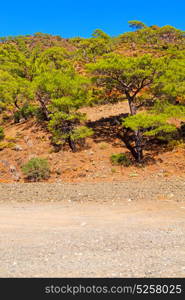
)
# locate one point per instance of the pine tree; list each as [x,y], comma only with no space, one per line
[140,80]
[136,24]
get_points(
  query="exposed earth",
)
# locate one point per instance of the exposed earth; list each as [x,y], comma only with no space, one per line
[90,164]
[128,229]
[91,219]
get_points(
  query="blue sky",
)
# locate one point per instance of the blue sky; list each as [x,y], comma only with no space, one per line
[79,18]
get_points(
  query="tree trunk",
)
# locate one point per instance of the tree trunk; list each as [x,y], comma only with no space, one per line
[137,150]
[43,106]
[138,145]
[45,110]
[125,138]
[72,144]
[16,104]
[132,106]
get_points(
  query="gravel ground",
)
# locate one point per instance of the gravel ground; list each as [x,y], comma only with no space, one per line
[112,236]
[104,191]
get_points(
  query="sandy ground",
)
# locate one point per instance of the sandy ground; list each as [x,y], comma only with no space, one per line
[87,239]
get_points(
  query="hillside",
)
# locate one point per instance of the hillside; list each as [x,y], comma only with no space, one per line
[48,84]
[90,164]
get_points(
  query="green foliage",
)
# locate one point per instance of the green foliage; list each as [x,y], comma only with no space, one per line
[5,145]
[64,126]
[2,135]
[169,110]
[13,60]
[136,24]
[153,124]
[62,94]
[54,58]
[11,139]
[120,159]
[172,82]
[173,143]
[154,36]
[26,111]
[41,35]
[81,133]
[130,76]
[38,77]
[36,169]
[113,170]
[127,75]
[8,89]
[98,33]
[14,91]
[90,49]
[59,85]
[121,71]
[103,145]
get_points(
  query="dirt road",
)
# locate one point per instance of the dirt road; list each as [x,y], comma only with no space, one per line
[69,239]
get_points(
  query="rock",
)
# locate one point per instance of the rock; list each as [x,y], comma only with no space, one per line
[16,176]
[83,224]
[82,175]
[12,169]
[90,152]
[22,120]
[59,171]
[28,141]
[17,148]
[171,195]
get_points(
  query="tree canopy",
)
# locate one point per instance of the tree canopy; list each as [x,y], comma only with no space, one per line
[50,79]
[130,76]
[136,24]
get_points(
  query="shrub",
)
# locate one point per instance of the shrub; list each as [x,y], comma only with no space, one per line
[175,144]
[2,135]
[182,129]
[103,146]
[36,169]
[113,170]
[120,159]
[40,115]
[4,145]
[26,112]
[11,139]
[6,117]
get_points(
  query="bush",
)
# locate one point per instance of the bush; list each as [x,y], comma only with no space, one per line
[182,129]
[120,159]
[2,135]
[36,169]
[40,115]
[175,144]
[6,117]
[103,146]
[11,139]
[26,112]
[4,145]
